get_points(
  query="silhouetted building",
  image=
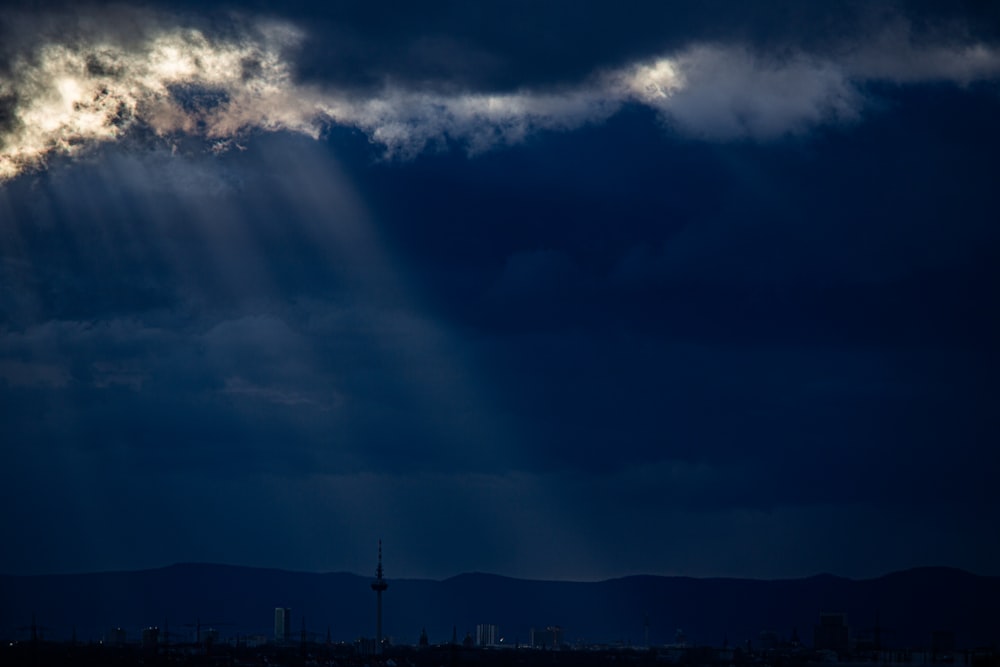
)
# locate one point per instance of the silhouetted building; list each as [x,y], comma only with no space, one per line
[115,637]
[550,637]
[150,637]
[832,633]
[486,634]
[768,640]
[282,624]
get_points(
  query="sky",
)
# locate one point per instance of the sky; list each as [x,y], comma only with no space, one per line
[563,290]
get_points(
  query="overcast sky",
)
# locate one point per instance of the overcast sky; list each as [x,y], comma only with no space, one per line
[554,290]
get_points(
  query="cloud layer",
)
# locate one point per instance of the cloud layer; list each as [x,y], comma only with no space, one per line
[66,94]
[730,287]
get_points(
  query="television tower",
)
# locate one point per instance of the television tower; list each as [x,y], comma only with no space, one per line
[378,586]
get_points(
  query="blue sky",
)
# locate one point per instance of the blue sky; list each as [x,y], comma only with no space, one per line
[575,291]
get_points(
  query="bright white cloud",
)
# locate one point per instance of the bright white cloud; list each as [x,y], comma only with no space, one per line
[180,81]
[72,96]
[727,93]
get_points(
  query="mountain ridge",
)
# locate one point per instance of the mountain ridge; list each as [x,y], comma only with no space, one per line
[911,603]
[236,566]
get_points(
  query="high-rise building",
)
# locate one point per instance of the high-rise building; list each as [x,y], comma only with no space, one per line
[150,637]
[550,637]
[832,633]
[282,624]
[486,634]
[115,637]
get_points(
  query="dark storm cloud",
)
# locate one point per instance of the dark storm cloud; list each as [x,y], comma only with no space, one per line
[729,307]
[509,45]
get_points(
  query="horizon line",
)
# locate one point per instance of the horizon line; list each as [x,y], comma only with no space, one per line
[178,564]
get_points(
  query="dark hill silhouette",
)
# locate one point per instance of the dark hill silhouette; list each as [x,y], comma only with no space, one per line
[909,604]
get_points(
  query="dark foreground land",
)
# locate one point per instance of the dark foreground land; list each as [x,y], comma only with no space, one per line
[52,654]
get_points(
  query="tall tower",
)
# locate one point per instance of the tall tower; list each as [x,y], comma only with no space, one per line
[378,586]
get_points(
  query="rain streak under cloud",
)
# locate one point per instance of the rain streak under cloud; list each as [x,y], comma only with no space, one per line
[61,97]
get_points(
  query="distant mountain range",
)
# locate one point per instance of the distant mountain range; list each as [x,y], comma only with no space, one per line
[907,605]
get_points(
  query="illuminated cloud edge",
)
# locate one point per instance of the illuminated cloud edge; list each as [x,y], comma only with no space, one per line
[61,97]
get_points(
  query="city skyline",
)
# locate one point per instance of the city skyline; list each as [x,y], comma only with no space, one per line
[197,603]
[565,291]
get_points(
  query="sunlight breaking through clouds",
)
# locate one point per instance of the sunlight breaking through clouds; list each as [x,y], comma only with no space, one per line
[67,97]
[62,98]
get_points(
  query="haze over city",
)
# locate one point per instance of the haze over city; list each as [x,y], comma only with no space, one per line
[562,290]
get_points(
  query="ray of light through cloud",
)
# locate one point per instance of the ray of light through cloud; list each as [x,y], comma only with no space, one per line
[257,355]
[207,302]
